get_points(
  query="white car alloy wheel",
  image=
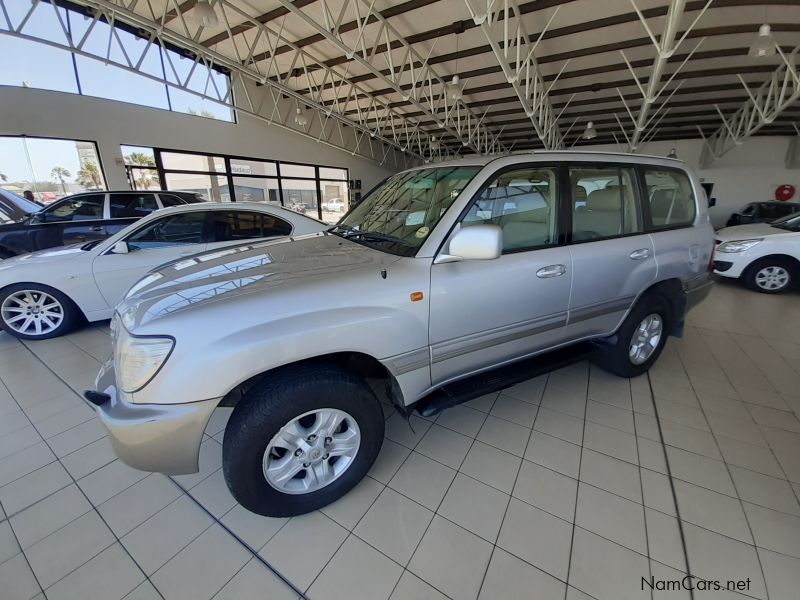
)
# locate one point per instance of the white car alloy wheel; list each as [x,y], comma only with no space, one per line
[772,278]
[646,338]
[311,451]
[32,312]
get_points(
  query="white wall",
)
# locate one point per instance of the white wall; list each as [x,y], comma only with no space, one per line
[44,113]
[749,173]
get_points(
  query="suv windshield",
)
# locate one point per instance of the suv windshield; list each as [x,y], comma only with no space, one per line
[789,222]
[398,215]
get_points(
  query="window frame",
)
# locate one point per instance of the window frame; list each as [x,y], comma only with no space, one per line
[647,215]
[637,184]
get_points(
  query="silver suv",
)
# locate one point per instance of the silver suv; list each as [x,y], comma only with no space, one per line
[446,282]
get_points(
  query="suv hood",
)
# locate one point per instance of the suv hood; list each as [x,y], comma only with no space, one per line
[244,270]
[744,232]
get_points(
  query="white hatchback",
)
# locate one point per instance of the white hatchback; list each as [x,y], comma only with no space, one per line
[43,294]
[766,256]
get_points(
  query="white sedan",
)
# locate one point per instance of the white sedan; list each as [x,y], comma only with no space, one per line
[766,256]
[44,294]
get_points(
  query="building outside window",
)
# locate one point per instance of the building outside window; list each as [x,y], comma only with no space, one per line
[49,168]
[316,191]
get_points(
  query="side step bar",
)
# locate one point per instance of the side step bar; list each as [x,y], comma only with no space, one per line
[501,378]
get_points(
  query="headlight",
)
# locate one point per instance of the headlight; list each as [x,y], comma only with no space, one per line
[738,245]
[138,359]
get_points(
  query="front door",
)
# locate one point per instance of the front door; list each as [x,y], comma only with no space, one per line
[485,313]
[613,259]
[70,221]
[156,242]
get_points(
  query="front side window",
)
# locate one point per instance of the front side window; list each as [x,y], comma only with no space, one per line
[603,202]
[398,215]
[523,204]
[172,230]
[245,225]
[126,206]
[81,208]
[671,198]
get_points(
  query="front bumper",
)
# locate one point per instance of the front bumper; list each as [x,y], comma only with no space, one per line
[152,437]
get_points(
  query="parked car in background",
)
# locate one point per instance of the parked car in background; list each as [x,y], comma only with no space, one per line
[765,256]
[83,217]
[447,282]
[762,212]
[63,285]
[15,209]
[333,205]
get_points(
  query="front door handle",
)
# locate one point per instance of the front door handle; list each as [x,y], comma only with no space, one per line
[97,228]
[551,271]
[640,254]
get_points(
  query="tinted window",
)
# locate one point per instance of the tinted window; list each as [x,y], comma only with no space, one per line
[523,204]
[88,207]
[671,198]
[244,225]
[772,211]
[604,203]
[169,200]
[132,205]
[172,230]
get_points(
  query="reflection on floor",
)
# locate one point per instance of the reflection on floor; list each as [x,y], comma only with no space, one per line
[556,488]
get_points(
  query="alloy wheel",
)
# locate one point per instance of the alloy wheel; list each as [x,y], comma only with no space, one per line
[32,312]
[772,278]
[646,338]
[311,451]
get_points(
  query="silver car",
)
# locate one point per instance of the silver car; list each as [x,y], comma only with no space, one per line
[447,282]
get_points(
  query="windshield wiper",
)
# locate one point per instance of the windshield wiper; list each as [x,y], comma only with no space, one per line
[349,232]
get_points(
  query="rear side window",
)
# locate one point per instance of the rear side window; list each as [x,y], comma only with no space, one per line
[132,205]
[604,203]
[244,225]
[670,196]
[169,200]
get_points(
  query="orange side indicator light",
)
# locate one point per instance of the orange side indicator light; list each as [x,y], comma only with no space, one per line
[416,296]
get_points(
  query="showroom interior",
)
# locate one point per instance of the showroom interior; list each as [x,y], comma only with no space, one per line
[567,482]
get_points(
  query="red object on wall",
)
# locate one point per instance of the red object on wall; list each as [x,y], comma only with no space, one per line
[784,193]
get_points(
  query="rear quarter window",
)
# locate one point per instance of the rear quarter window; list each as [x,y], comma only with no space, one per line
[670,198]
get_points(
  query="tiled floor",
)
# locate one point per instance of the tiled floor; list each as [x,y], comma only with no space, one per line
[560,487]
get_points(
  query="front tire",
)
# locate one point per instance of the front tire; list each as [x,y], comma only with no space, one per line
[640,339]
[300,439]
[33,311]
[771,275]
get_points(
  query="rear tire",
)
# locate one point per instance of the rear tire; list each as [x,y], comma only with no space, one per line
[640,339]
[272,465]
[771,275]
[34,311]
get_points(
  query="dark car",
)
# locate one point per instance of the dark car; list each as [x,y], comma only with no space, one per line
[14,209]
[82,218]
[762,212]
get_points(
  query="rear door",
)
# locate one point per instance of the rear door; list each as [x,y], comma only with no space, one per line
[156,242]
[128,207]
[612,256]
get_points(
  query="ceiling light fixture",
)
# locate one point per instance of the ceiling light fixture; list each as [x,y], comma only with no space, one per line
[204,14]
[763,46]
[590,132]
[299,118]
[434,143]
[455,88]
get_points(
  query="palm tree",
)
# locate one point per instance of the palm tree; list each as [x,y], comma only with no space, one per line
[60,173]
[141,176]
[204,112]
[89,176]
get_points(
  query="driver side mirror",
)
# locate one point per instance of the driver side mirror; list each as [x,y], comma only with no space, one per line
[477,242]
[120,248]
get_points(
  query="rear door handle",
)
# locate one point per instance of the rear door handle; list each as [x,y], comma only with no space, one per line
[640,254]
[551,271]
[97,228]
